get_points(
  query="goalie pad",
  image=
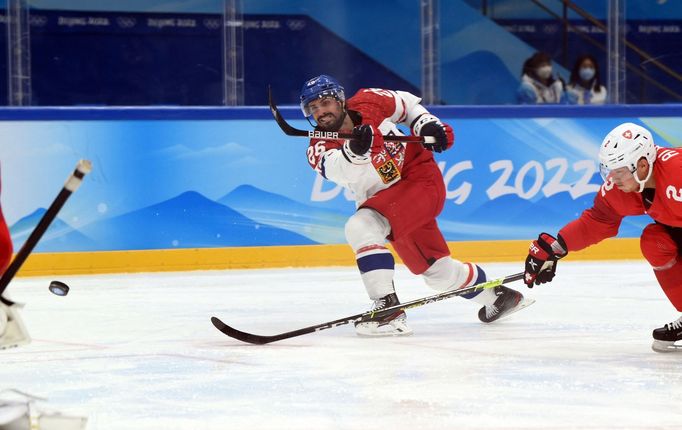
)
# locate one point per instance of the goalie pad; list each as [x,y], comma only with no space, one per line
[18,411]
[13,332]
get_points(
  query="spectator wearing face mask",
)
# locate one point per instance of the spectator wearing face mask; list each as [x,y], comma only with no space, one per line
[585,86]
[538,83]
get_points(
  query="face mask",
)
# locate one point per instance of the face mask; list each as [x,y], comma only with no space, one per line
[586,73]
[544,72]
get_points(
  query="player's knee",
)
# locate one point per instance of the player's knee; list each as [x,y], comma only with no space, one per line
[442,274]
[659,249]
[366,227]
[446,274]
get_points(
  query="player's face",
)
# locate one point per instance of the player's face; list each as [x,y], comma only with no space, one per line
[624,179]
[327,112]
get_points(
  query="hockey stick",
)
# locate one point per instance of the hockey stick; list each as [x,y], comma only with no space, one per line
[72,183]
[291,131]
[261,340]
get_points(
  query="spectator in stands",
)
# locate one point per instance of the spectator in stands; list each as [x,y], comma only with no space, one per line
[584,86]
[538,83]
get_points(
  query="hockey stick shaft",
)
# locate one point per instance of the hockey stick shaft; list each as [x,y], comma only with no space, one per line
[260,340]
[72,183]
[317,134]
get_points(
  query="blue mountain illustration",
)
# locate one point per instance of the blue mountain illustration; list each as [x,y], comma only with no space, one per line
[189,220]
[59,236]
[320,225]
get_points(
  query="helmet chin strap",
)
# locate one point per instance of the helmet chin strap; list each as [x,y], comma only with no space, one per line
[641,183]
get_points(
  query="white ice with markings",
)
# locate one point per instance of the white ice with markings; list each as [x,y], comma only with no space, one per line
[138,351]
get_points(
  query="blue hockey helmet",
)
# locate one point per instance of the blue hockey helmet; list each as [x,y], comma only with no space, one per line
[320,87]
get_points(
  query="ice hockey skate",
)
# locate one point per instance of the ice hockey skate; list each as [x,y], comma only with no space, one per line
[508,301]
[666,336]
[394,324]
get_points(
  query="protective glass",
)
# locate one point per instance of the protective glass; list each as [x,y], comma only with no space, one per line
[324,100]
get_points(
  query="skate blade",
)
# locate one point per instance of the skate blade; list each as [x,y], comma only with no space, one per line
[663,346]
[375,330]
[524,303]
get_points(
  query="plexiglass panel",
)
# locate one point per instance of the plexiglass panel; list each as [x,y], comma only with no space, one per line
[227,52]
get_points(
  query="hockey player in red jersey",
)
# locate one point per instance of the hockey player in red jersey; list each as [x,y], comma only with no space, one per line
[639,178]
[5,243]
[399,191]
[12,329]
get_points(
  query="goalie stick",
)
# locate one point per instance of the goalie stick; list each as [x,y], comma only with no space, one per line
[72,183]
[318,134]
[261,340]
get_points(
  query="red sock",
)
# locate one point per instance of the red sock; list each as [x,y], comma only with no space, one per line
[671,282]
[662,252]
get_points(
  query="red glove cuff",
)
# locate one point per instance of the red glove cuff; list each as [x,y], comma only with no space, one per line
[537,251]
[450,135]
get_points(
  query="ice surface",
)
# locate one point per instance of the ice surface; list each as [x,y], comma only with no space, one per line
[138,352]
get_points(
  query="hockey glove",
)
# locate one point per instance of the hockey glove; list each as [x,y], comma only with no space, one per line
[429,125]
[364,136]
[543,256]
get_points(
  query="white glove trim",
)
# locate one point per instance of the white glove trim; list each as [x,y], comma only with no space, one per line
[352,156]
[424,119]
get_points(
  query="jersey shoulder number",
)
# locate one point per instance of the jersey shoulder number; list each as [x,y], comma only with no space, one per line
[379,91]
[375,104]
[670,165]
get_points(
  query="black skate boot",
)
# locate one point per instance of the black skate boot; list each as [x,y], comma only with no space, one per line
[394,324]
[508,301]
[666,336]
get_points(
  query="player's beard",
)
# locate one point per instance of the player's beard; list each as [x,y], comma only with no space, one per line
[334,125]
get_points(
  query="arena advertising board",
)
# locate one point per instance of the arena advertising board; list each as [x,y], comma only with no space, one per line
[195,183]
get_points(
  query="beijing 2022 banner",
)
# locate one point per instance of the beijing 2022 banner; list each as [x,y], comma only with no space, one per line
[194,183]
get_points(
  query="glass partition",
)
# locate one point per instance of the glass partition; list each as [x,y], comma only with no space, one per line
[227,52]
[635,42]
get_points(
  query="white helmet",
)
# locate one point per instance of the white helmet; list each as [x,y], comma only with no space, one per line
[623,147]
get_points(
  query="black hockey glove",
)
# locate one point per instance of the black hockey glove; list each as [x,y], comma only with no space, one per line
[543,256]
[363,138]
[429,125]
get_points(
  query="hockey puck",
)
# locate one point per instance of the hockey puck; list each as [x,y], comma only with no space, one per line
[59,288]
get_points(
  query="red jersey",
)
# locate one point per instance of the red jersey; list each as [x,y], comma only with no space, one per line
[5,244]
[384,109]
[611,205]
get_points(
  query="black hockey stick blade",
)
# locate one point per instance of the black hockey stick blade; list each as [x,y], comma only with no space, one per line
[71,185]
[261,340]
[289,130]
